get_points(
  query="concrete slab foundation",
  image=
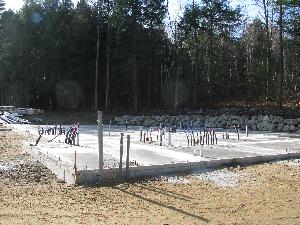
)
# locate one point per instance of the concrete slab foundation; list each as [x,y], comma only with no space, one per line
[151,159]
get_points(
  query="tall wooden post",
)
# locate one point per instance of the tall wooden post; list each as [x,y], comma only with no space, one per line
[100,140]
[121,156]
[127,158]
[75,168]
[281,60]
[77,134]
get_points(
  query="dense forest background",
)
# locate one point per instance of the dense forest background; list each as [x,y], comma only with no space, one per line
[129,55]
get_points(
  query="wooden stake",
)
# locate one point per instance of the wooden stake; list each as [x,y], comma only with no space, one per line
[127,158]
[100,141]
[121,155]
[75,168]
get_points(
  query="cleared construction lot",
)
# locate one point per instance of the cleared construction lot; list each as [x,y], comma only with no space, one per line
[260,194]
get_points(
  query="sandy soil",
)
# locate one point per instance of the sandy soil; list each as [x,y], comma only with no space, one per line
[30,194]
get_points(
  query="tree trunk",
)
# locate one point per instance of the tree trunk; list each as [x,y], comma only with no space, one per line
[196,62]
[150,69]
[161,84]
[156,86]
[193,84]
[236,85]
[149,92]
[280,75]
[108,45]
[268,74]
[134,74]
[97,69]
[210,70]
[179,70]
[107,101]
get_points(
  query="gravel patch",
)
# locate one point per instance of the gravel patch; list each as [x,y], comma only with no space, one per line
[23,170]
[4,168]
[223,178]
[291,162]
[175,179]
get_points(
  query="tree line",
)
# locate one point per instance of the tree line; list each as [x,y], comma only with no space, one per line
[129,54]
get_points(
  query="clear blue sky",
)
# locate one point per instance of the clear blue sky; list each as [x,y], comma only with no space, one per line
[175,6]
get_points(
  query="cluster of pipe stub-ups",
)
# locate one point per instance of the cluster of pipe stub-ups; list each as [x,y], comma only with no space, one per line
[204,137]
[71,133]
[146,136]
[208,138]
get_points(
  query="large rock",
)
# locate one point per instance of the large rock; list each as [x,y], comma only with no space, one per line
[253,117]
[272,127]
[291,122]
[286,128]
[279,127]
[265,126]
[265,119]
[293,128]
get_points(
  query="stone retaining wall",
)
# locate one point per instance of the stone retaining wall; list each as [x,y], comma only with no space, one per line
[256,123]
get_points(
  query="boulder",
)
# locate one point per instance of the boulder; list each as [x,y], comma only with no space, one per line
[290,121]
[253,118]
[279,127]
[272,127]
[293,128]
[265,118]
[286,128]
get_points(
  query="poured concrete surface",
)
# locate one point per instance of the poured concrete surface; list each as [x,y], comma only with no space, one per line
[151,154]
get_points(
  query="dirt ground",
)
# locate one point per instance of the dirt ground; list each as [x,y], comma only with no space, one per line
[30,194]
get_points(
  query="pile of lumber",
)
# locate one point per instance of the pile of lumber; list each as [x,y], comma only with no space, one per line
[12,118]
[20,111]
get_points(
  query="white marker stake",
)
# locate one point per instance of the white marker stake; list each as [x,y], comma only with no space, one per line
[247,130]
[127,157]
[160,137]
[77,134]
[170,136]
[109,128]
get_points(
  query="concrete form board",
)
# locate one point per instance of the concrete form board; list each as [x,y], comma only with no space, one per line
[64,171]
[92,176]
[67,172]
